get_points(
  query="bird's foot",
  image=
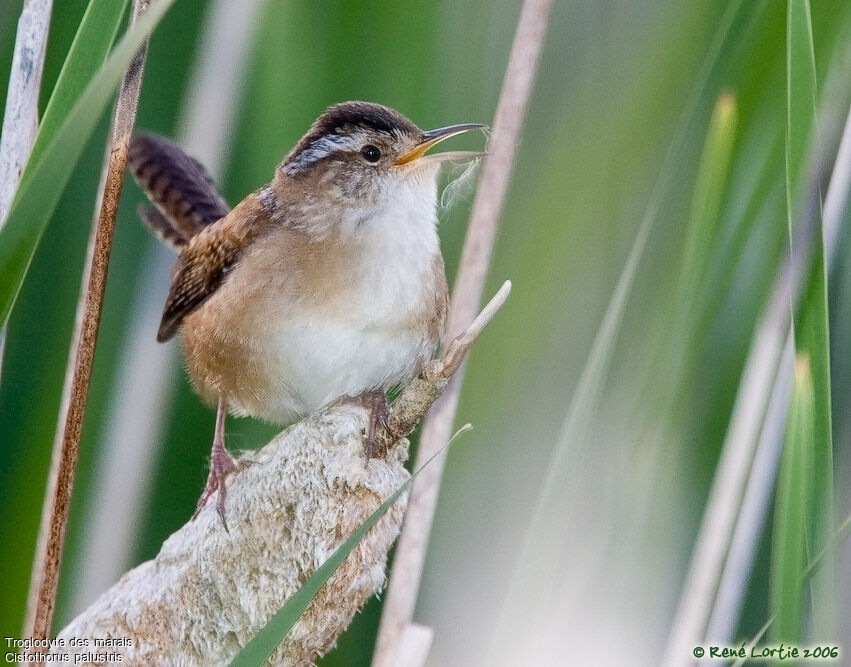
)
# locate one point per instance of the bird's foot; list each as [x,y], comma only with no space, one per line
[222,464]
[379,415]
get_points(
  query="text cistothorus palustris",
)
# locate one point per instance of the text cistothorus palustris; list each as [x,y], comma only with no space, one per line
[324,284]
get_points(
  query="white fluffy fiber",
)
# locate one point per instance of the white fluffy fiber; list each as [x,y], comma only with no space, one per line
[208,592]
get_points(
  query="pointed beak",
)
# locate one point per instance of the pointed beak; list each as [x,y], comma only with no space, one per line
[434,137]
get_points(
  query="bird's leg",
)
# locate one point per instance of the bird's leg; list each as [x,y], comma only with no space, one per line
[379,413]
[221,465]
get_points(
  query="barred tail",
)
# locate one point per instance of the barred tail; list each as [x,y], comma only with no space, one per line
[185,197]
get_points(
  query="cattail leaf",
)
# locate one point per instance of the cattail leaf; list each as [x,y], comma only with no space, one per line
[58,147]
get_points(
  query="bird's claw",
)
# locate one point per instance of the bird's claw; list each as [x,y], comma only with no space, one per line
[222,464]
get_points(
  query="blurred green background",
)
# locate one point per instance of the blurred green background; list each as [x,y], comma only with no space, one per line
[621,86]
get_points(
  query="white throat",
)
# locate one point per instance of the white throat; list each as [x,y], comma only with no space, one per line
[403,227]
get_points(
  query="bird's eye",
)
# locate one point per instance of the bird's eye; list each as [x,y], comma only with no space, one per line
[370,153]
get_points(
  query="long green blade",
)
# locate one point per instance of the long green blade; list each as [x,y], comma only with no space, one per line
[812,336]
[713,172]
[701,248]
[836,540]
[793,490]
[800,95]
[50,168]
[258,650]
[88,51]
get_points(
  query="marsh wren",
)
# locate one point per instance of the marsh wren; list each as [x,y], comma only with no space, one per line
[326,284]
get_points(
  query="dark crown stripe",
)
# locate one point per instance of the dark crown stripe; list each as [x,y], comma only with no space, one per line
[361,114]
[341,120]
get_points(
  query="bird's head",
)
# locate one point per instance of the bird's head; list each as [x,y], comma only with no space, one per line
[367,155]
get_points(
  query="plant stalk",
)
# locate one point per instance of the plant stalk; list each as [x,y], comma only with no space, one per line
[46,566]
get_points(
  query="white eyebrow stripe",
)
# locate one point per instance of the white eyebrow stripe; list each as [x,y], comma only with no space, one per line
[319,149]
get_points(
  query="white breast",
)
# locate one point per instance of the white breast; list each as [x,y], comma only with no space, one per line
[377,336]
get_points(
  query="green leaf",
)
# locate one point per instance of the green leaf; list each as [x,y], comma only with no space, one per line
[753,642]
[836,541]
[794,486]
[90,47]
[258,650]
[697,294]
[51,165]
[811,328]
[708,196]
[800,94]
